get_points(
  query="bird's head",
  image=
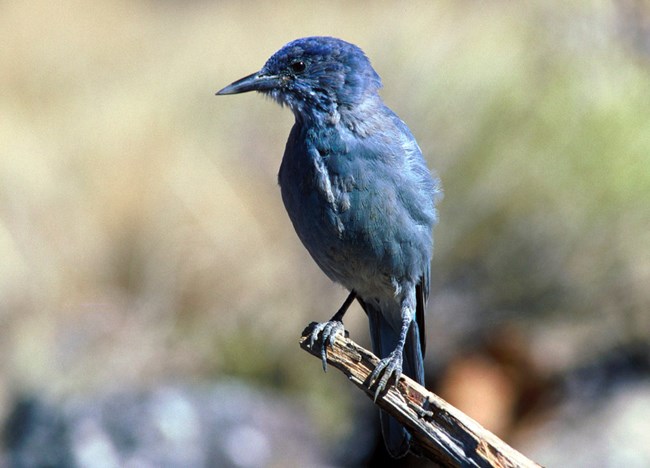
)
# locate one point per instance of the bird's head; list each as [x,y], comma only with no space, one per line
[313,74]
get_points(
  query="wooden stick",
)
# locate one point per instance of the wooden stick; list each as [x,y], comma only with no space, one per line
[441,432]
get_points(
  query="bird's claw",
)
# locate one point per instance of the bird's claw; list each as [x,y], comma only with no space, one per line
[327,332]
[386,368]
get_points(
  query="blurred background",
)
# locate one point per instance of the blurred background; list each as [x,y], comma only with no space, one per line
[152,290]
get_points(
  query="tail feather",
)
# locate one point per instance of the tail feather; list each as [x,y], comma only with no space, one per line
[384,340]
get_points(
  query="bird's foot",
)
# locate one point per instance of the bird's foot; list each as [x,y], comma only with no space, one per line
[327,331]
[387,367]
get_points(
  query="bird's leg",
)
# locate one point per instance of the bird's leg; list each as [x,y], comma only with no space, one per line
[328,330]
[391,365]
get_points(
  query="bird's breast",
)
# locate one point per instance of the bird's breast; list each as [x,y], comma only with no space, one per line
[348,209]
[323,207]
[315,197]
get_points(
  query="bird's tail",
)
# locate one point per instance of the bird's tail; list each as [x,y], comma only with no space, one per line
[384,340]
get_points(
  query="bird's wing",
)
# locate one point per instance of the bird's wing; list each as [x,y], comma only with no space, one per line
[421,293]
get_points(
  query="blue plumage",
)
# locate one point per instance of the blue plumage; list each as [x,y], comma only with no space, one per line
[360,197]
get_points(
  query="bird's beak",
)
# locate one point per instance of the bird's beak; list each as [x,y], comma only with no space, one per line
[254,82]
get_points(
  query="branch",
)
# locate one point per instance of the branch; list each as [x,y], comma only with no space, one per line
[441,432]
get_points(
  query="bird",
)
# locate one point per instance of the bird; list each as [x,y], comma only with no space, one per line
[361,199]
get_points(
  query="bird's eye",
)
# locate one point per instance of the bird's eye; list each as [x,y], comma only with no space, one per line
[298,66]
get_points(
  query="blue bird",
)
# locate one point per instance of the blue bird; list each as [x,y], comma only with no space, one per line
[360,197]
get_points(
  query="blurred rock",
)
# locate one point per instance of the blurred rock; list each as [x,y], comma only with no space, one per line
[225,425]
[601,417]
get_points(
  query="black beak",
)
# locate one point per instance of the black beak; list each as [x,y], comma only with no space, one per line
[254,82]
